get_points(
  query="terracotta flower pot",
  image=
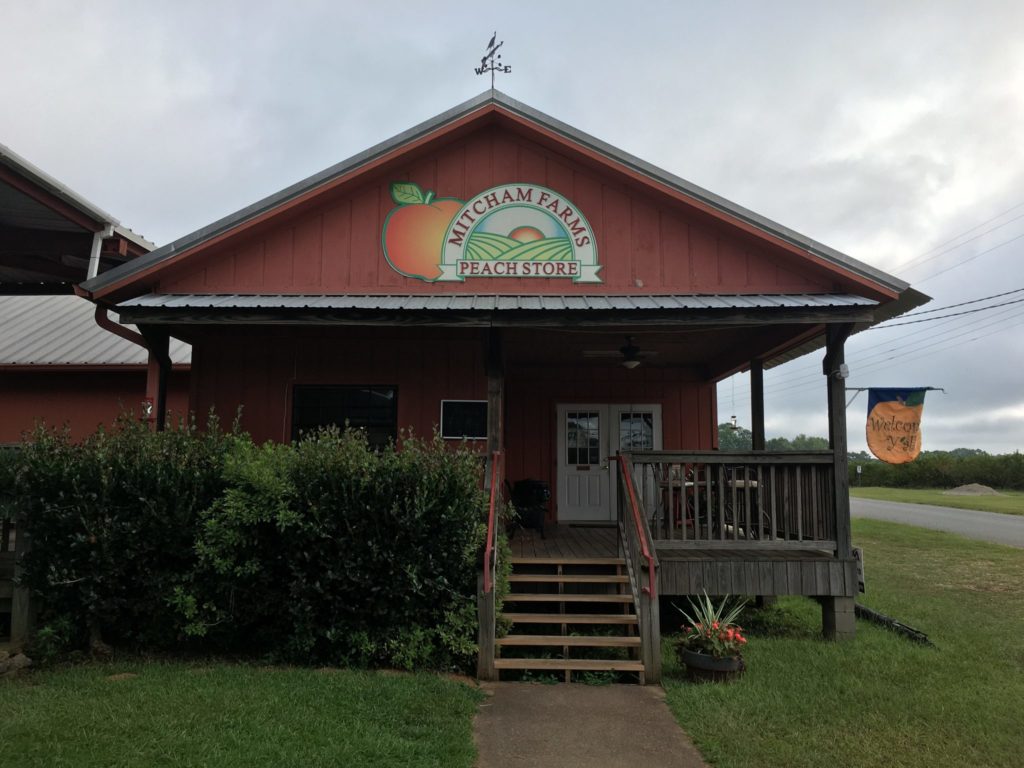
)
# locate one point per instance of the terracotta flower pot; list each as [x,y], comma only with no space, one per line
[703,667]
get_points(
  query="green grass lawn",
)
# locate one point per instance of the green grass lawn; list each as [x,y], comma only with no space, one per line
[881,700]
[1010,503]
[223,715]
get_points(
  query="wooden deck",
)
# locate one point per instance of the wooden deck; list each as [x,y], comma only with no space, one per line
[755,572]
[566,542]
[720,571]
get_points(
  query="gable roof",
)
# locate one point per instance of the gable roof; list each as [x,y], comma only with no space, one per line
[489,103]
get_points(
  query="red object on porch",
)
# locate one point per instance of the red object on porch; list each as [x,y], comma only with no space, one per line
[634,508]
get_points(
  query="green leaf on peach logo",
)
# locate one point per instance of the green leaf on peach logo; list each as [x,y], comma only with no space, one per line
[407,193]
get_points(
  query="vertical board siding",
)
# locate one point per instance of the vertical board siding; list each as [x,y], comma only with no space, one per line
[82,401]
[645,244]
[259,374]
[532,396]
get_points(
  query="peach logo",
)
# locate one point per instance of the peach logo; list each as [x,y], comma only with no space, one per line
[514,230]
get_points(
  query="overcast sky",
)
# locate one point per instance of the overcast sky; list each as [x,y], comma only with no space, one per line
[893,132]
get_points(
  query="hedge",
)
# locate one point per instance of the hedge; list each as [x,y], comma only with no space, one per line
[320,552]
[943,470]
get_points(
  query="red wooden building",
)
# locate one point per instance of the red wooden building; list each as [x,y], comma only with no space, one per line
[499,275]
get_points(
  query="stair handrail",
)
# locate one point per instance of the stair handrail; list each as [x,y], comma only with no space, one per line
[490,548]
[643,533]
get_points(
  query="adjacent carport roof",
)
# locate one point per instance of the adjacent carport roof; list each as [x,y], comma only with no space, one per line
[59,332]
[493,100]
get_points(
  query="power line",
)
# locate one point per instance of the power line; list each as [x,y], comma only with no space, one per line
[971,258]
[961,304]
[1011,209]
[942,317]
[870,361]
[924,258]
[809,371]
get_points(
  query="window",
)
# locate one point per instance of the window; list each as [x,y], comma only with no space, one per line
[372,409]
[464,419]
[636,431]
[583,437]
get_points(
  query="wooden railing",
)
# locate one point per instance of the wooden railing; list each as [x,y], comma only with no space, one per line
[486,600]
[637,547]
[709,499]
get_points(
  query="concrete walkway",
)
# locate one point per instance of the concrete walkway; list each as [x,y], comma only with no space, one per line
[524,725]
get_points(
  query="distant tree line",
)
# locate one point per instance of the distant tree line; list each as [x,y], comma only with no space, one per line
[932,469]
[942,469]
[740,439]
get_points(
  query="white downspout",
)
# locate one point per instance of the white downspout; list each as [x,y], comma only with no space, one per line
[97,246]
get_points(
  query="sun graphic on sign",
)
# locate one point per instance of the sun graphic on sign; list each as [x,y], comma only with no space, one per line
[526,234]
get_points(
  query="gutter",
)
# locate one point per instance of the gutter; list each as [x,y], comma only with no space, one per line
[97,246]
[156,347]
[104,322]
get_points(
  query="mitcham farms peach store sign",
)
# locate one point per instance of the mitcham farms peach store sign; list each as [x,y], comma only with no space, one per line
[514,230]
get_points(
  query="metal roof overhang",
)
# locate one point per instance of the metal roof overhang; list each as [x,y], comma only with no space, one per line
[495,310]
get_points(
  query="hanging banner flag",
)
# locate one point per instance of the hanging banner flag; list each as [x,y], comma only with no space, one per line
[894,424]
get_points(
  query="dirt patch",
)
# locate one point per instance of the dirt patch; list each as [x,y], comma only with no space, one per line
[980,576]
[122,676]
[463,680]
[972,489]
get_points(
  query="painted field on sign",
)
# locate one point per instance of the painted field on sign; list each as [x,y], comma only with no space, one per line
[484,246]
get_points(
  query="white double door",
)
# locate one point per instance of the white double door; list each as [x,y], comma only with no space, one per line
[589,437]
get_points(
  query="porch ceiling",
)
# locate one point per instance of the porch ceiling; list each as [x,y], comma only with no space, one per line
[710,351]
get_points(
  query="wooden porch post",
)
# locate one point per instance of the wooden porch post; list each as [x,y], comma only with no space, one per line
[757,404]
[486,602]
[157,371]
[837,617]
[495,392]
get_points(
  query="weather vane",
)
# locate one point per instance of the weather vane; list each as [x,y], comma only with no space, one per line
[490,62]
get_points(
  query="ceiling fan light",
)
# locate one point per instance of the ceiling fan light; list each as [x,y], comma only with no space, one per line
[630,364]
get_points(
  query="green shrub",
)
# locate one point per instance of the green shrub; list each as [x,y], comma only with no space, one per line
[330,552]
[325,551]
[112,522]
[941,469]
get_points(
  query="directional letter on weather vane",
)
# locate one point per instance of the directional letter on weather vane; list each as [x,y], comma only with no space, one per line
[490,62]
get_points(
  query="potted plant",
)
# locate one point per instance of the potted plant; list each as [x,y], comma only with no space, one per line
[711,643]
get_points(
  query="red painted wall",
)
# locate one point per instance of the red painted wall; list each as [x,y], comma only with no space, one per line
[646,243]
[257,369]
[83,400]
[531,396]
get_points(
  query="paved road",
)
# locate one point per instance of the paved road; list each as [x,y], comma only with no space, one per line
[986,526]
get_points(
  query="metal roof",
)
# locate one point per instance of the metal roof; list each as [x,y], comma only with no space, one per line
[487,303]
[37,175]
[511,105]
[61,330]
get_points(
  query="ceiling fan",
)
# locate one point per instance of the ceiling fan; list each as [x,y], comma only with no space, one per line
[631,355]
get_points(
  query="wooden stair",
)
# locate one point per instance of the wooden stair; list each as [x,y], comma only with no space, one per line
[552,597]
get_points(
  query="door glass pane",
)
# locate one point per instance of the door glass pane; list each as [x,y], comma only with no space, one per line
[582,437]
[636,431]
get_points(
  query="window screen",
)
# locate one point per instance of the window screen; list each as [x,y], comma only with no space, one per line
[372,409]
[464,419]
